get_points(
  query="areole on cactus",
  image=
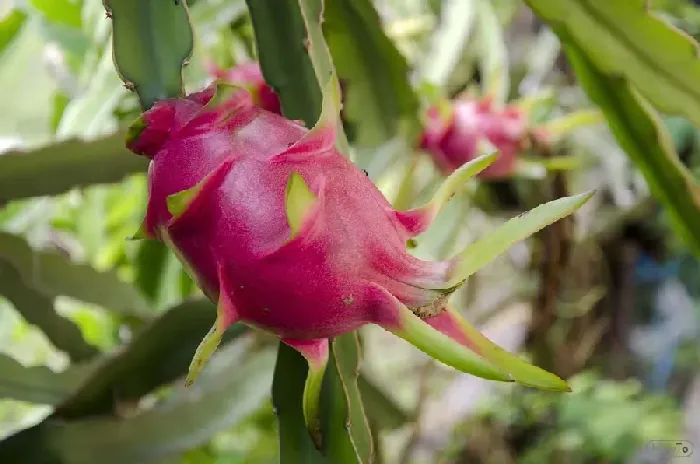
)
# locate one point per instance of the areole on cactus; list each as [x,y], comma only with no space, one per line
[290,237]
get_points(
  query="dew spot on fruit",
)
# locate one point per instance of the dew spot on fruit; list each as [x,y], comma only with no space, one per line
[348,300]
[267,310]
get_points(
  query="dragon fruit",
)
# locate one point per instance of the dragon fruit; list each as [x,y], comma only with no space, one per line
[249,76]
[453,137]
[288,236]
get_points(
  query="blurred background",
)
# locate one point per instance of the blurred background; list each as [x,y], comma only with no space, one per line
[96,331]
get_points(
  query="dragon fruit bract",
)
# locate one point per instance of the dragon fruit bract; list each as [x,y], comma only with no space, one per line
[290,237]
[454,140]
[250,76]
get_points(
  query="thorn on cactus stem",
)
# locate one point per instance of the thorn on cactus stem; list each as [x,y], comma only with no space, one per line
[130,86]
[108,14]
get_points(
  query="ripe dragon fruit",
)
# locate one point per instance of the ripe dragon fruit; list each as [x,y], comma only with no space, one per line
[288,236]
[249,76]
[453,139]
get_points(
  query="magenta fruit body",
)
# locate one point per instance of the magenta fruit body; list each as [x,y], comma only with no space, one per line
[454,141]
[343,267]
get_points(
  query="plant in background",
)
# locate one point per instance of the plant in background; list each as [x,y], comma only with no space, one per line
[458,131]
[454,134]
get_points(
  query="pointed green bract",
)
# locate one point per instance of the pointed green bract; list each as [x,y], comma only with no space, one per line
[311,399]
[180,201]
[299,200]
[204,351]
[224,91]
[522,372]
[457,179]
[141,234]
[482,252]
[439,346]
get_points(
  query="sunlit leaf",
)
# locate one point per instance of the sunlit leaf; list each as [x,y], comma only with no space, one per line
[621,38]
[641,133]
[64,12]
[10,26]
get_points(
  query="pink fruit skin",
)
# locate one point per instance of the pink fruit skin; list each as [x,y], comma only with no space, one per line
[250,75]
[346,266]
[454,142]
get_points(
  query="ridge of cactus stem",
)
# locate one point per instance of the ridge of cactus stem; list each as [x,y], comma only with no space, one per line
[417,221]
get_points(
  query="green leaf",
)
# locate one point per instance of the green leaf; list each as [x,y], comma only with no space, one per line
[55,275]
[379,104]
[39,384]
[64,12]
[280,35]
[152,41]
[621,38]
[346,434]
[641,133]
[38,309]
[158,355]
[10,26]
[381,408]
[188,418]
[61,166]
[287,390]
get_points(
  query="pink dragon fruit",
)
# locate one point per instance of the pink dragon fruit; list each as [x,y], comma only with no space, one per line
[250,76]
[288,236]
[453,139]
